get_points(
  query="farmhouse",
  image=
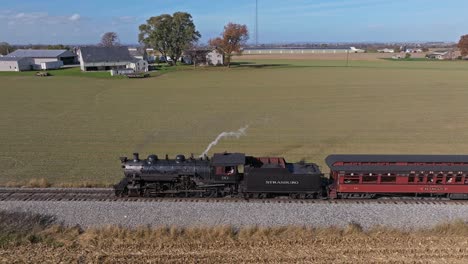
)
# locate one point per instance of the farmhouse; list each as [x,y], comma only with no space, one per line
[203,57]
[39,56]
[109,58]
[15,64]
[214,57]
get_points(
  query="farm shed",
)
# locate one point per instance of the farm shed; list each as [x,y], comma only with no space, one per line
[39,56]
[109,58]
[15,64]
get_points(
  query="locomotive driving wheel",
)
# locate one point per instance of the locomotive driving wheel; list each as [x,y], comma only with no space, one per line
[185,186]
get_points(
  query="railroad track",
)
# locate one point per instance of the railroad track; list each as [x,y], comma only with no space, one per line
[107,195]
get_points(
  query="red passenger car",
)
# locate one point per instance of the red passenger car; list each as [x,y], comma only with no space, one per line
[368,176]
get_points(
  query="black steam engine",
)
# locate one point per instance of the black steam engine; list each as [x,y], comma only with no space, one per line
[225,175]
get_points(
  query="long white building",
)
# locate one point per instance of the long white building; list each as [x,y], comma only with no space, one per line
[255,51]
[28,59]
[40,56]
[15,64]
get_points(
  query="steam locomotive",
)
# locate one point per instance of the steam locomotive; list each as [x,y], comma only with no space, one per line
[351,176]
[226,174]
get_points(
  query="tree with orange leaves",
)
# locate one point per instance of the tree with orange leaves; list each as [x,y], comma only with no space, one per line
[231,40]
[463,45]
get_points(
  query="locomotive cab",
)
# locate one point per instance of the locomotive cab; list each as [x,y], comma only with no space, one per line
[228,167]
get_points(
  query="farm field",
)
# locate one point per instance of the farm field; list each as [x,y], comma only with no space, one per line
[72,129]
[28,238]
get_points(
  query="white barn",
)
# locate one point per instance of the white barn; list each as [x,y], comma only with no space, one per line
[109,58]
[15,64]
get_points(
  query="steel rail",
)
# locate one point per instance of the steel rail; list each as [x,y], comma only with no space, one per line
[107,195]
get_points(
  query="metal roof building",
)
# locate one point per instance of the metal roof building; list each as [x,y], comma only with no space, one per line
[41,53]
[40,56]
[109,58]
[15,64]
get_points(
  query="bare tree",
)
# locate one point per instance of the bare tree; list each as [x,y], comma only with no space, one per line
[110,39]
[5,48]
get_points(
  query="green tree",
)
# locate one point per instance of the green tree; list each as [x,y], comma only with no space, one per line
[231,40]
[170,35]
[5,48]
[463,45]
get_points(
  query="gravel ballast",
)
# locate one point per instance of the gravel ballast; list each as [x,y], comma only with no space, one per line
[133,214]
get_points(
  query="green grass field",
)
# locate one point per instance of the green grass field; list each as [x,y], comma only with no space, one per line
[71,128]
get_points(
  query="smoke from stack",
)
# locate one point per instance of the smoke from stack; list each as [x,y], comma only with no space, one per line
[236,134]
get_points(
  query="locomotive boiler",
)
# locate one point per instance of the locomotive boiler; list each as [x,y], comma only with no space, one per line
[224,175]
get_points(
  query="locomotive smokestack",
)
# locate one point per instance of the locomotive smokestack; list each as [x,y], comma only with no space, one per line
[135,157]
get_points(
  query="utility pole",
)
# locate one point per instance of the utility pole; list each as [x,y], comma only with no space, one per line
[347,58]
[256,22]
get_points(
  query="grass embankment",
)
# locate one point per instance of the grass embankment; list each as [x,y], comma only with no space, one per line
[34,239]
[69,129]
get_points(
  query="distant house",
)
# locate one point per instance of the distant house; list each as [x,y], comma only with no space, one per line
[39,56]
[15,64]
[443,55]
[436,55]
[412,50]
[203,57]
[386,50]
[109,58]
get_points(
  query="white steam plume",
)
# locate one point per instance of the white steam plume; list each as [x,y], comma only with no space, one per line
[237,134]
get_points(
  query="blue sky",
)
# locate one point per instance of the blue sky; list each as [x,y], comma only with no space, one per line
[280,21]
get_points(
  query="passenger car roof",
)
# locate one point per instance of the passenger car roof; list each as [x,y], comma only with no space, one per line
[333,159]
